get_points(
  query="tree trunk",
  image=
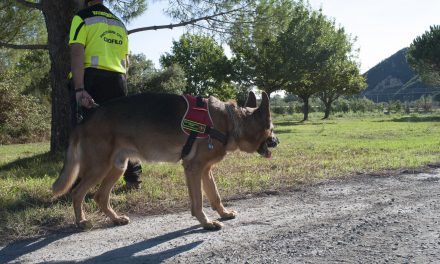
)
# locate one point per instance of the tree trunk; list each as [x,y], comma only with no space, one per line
[328,107]
[306,107]
[268,93]
[58,15]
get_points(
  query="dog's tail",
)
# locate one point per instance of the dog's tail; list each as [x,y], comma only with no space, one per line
[70,170]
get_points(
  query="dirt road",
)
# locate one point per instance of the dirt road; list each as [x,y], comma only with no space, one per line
[365,219]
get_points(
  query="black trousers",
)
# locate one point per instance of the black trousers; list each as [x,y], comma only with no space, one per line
[104,86]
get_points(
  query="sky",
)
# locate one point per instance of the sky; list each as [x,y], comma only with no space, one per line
[381,27]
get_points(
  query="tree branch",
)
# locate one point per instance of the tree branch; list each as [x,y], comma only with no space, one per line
[29,47]
[30,4]
[182,24]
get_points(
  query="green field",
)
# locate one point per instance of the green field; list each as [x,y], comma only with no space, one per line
[309,152]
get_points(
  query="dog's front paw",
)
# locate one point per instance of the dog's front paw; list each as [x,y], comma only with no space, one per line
[213,225]
[84,225]
[229,215]
[121,220]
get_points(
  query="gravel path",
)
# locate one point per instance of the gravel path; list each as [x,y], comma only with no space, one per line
[364,219]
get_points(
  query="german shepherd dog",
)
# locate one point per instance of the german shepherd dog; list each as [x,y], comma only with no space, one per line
[148,127]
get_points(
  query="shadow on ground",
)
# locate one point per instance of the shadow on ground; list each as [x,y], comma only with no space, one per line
[126,254]
[35,166]
[20,248]
[417,119]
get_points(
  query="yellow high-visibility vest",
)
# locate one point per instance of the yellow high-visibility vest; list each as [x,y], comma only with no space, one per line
[104,37]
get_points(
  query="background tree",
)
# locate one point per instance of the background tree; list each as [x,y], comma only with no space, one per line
[144,77]
[340,74]
[207,69]
[20,25]
[31,73]
[139,71]
[306,48]
[424,103]
[288,46]
[29,68]
[340,78]
[57,16]
[424,55]
[256,48]
[169,80]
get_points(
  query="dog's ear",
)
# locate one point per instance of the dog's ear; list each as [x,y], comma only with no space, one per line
[251,100]
[264,105]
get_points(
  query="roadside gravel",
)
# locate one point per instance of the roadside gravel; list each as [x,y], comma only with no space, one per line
[363,219]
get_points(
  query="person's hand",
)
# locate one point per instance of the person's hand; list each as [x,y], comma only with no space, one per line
[84,99]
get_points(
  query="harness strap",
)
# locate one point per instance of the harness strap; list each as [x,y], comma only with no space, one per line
[199,102]
[188,145]
[214,133]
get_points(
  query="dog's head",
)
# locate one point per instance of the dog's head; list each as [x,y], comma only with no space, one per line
[257,130]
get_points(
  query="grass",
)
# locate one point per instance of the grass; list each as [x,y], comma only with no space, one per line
[309,152]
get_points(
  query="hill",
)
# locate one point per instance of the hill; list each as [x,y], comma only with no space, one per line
[393,79]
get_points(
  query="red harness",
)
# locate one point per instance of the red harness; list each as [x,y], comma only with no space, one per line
[197,117]
[197,123]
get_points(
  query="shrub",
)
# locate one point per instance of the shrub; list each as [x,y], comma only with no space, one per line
[279,110]
[395,106]
[341,105]
[425,103]
[22,118]
[290,109]
[362,105]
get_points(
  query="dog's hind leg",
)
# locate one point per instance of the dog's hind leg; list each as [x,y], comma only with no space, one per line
[193,173]
[211,191]
[89,178]
[102,196]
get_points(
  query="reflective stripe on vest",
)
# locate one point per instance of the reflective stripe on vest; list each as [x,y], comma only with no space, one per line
[98,19]
[94,61]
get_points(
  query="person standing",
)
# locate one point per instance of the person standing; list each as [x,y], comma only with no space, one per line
[99,64]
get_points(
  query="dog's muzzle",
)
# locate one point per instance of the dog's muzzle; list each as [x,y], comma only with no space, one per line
[271,142]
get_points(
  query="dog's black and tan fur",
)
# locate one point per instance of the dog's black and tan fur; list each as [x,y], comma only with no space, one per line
[147,127]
